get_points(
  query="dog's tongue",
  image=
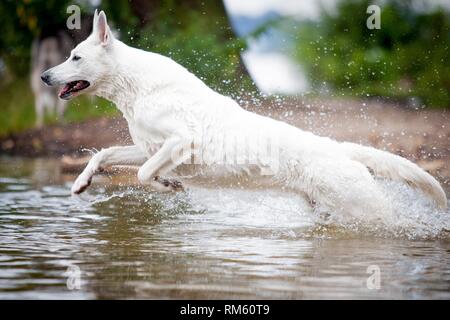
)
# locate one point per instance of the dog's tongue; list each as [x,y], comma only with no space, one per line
[65,91]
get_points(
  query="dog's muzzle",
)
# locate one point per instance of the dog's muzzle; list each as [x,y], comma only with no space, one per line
[46,78]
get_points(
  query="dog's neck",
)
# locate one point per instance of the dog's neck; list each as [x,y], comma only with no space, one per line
[129,79]
[120,88]
[122,91]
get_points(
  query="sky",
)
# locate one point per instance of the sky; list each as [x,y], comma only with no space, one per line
[273,72]
[252,8]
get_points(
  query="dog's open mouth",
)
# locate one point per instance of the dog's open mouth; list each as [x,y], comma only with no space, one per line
[72,87]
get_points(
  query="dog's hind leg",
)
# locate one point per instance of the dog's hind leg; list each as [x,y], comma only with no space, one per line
[167,158]
[346,187]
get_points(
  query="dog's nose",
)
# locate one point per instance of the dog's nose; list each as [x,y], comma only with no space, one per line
[46,78]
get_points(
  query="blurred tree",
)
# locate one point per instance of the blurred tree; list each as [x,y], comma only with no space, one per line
[407,57]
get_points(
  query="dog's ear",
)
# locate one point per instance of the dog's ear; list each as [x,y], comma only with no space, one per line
[101,29]
[94,23]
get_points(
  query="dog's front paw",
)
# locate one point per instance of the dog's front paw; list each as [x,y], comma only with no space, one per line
[81,184]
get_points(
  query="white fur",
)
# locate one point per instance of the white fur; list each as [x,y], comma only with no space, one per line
[168,109]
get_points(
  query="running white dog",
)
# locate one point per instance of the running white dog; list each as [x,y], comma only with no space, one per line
[169,111]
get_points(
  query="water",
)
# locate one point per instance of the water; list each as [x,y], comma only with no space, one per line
[123,242]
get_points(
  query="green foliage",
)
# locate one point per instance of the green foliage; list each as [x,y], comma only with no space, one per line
[17,107]
[203,43]
[407,57]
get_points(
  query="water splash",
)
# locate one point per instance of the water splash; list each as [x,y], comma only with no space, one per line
[279,214]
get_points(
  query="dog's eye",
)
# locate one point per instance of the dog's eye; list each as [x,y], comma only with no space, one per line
[76,58]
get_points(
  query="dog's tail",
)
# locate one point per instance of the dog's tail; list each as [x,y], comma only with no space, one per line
[394,167]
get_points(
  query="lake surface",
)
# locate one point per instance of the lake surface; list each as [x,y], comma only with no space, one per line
[125,242]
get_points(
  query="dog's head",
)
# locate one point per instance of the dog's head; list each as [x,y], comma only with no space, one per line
[89,65]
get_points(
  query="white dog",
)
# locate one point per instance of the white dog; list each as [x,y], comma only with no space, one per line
[169,111]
